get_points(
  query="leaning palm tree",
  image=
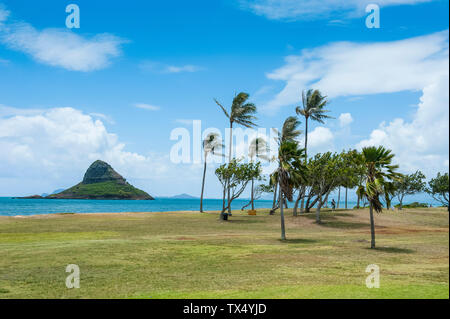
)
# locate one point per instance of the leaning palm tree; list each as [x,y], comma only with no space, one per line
[258,149]
[313,108]
[379,173]
[290,173]
[211,145]
[242,113]
[289,132]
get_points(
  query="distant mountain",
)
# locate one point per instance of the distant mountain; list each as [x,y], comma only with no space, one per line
[54,192]
[101,181]
[183,196]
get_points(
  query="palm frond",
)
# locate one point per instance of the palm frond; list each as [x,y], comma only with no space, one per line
[223,109]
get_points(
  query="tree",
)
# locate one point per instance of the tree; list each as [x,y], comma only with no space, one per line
[211,145]
[408,185]
[313,108]
[378,172]
[289,133]
[290,172]
[258,191]
[234,177]
[438,188]
[349,171]
[323,176]
[258,149]
[242,113]
[389,193]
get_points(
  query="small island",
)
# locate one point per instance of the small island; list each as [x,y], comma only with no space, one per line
[183,196]
[100,181]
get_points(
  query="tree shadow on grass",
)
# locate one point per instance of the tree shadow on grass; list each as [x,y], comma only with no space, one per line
[328,220]
[343,214]
[299,241]
[393,250]
[244,221]
[343,225]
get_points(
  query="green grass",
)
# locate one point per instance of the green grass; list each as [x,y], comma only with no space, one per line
[193,255]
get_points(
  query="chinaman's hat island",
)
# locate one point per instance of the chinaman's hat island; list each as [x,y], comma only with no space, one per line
[100,181]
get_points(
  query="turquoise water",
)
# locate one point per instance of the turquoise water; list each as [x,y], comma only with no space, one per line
[11,207]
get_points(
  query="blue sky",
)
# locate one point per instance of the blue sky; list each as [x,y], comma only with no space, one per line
[68,97]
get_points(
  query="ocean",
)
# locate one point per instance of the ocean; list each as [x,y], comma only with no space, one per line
[12,207]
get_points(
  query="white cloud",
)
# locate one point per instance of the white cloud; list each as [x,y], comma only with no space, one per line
[346,68]
[6,111]
[159,67]
[43,150]
[359,69]
[185,68]
[61,47]
[315,9]
[321,137]
[423,142]
[345,119]
[104,117]
[147,107]
[4,14]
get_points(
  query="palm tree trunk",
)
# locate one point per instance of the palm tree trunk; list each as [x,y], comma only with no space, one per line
[203,187]
[274,203]
[357,203]
[346,194]
[229,161]
[302,205]
[372,227]
[339,197]
[283,230]
[253,203]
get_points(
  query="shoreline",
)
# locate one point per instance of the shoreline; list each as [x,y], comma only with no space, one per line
[235,212]
[104,213]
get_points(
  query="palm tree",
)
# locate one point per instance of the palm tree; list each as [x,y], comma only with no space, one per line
[258,148]
[211,145]
[291,171]
[289,132]
[313,108]
[242,113]
[379,172]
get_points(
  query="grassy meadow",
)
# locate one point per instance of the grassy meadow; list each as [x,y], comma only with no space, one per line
[194,255]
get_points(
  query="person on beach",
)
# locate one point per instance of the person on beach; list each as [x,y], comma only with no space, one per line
[333,205]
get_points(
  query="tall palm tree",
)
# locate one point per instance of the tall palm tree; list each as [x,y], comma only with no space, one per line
[290,173]
[258,149]
[242,113]
[289,132]
[379,172]
[313,108]
[211,145]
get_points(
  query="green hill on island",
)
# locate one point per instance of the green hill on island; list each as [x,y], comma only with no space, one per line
[101,181]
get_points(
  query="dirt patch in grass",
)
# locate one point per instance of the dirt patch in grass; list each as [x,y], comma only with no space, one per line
[186,238]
